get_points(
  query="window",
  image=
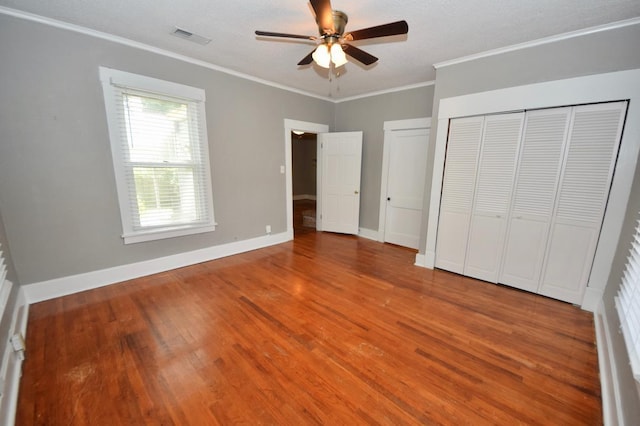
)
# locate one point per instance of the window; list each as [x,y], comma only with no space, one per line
[628,304]
[160,157]
[5,285]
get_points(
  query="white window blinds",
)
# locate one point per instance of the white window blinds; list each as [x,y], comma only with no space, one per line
[159,146]
[628,304]
[5,285]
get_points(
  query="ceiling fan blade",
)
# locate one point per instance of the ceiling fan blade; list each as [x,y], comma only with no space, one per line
[324,15]
[307,59]
[272,34]
[393,28]
[359,54]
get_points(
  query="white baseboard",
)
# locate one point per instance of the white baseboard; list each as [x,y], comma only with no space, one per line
[304,197]
[592,298]
[427,260]
[45,290]
[611,403]
[11,385]
[369,234]
[420,260]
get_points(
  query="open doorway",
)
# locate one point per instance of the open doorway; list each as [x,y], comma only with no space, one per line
[304,181]
[289,139]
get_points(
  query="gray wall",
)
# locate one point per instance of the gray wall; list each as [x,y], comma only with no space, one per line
[369,114]
[57,186]
[304,164]
[609,51]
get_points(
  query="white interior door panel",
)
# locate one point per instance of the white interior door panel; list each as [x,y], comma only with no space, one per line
[405,186]
[341,166]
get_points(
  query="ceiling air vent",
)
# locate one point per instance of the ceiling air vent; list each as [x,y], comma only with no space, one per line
[188,35]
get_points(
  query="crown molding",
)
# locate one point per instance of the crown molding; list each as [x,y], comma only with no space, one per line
[541,41]
[142,46]
[385,91]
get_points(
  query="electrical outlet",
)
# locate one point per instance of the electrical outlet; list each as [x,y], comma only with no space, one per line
[268,229]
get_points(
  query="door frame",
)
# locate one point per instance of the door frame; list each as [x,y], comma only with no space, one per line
[305,126]
[389,127]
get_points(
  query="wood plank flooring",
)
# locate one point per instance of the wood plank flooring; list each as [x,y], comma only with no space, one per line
[300,206]
[328,329]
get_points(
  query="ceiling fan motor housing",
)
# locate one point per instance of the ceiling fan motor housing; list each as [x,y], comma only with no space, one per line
[333,43]
[340,20]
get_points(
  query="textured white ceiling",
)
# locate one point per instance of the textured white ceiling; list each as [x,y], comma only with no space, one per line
[439,30]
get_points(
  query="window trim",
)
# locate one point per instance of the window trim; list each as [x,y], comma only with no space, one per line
[113,80]
[627,304]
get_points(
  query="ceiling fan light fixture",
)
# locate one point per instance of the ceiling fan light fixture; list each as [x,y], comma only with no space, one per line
[337,55]
[322,56]
[333,40]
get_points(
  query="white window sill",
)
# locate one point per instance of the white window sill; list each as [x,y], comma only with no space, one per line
[139,237]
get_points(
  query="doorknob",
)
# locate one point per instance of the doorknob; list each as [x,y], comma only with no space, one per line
[356,192]
[388,198]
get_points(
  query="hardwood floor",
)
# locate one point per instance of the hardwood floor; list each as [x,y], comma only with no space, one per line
[327,329]
[299,208]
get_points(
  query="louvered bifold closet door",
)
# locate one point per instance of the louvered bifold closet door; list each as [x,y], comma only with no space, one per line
[583,191]
[492,200]
[457,192]
[541,151]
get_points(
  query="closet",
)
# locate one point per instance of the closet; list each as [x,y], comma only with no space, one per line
[524,195]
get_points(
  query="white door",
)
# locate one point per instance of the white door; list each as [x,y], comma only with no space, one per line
[538,172]
[457,192]
[590,159]
[339,203]
[492,200]
[405,186]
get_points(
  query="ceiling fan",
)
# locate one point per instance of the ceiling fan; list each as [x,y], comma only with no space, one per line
[333,43]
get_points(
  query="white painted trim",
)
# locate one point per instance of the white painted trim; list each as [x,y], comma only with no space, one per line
[12,381]
[592,298]
[384,183]
[137,45]
[430,260]
[539,42]
[388,127]
[113,81]
[142,46]
[420,260]
[304,197]
[580,90]
[436,192]
[369,234]
[307,127]
[412,123]
[384,92]
[610,388]
[45,290]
